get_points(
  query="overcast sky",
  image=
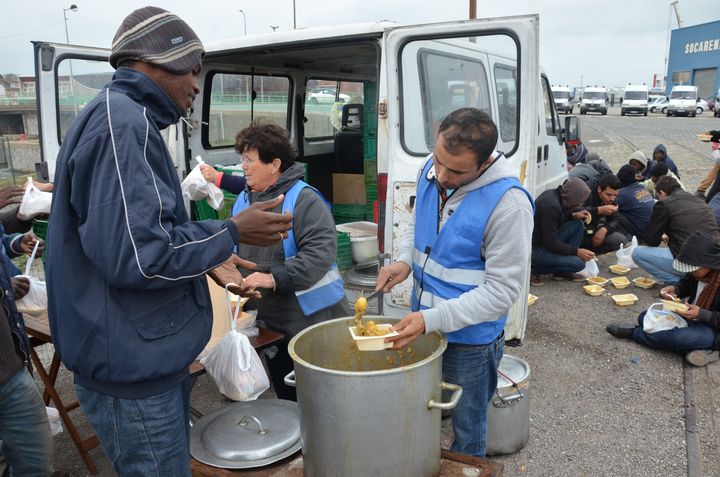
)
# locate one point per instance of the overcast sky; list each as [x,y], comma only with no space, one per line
[610,42]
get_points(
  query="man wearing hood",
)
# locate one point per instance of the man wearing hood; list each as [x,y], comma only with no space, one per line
[575,154]
[660,156]
[128,300]
[699,342]
[591,170]
[467,250]
[559,229]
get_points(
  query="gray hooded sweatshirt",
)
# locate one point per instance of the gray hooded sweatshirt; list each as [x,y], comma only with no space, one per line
[506,247]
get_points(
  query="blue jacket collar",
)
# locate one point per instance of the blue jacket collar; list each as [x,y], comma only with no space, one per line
[141,89]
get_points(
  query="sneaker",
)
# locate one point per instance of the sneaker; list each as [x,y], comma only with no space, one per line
[536,281]
[622,332]
[575,277]
[702,357]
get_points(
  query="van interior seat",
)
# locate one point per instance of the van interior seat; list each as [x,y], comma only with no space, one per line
[348,145]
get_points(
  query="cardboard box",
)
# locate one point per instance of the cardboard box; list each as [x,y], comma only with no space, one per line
[349,189]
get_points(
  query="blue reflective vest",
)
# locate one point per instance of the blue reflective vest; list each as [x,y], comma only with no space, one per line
[329,289]
[448,263]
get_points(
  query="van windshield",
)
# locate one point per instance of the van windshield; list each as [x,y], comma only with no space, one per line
[561,94]
[594,95]
[682,95]
[641,95]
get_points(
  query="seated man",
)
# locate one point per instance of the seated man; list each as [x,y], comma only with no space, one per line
[559,229]
[656,173]
[591,170]
[698,343]
[605,233]
[575,154]
[639,162]
[634,202]
[676,214]
[660,156]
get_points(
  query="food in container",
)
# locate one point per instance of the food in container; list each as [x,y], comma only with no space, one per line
[594,290]
[373,343]
[597,281]
[620,282]
[531,298]
[674,306]
[625,300]
[644,282]
[619,269]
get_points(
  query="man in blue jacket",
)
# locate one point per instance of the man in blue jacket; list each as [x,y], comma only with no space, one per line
[126,269]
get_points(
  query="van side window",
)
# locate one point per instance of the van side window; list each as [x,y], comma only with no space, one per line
[548,104]
[506,90]
[324,100]
[238,99]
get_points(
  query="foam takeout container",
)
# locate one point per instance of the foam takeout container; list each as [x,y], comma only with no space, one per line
[597,281]
[674,306]
[619,269]
[625,299]
[620,282]
[644,282]
[594,290]
[372,343]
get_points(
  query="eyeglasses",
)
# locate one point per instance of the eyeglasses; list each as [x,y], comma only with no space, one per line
[246,160]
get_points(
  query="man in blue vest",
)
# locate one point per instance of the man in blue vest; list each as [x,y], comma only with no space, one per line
[468,250]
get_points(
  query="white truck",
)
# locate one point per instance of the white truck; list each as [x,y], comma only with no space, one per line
[563,98]
[683,100]
[635,100]
[405,78]
[594,98]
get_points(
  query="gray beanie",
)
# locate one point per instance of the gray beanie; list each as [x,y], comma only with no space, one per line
[592,156]
[573,193]
[156,36]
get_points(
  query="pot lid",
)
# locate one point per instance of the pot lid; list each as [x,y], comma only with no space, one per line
[512,370]
[247,434]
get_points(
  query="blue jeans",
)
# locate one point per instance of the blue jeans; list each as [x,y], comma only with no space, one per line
[657,261]
[24,427]
[545,261]
[474,367]
[697,335]
[142,437]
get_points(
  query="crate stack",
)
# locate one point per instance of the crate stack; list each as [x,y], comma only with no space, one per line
[344,251]
[370,147]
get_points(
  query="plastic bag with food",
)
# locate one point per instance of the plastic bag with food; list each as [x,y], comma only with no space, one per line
[195,187]
[656,319]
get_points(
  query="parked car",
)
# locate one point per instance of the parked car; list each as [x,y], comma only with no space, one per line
[702,106]
[325,95]
[658,105]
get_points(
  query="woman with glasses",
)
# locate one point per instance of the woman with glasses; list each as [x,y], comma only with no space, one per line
[298,278]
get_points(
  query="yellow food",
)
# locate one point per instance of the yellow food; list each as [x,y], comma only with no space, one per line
[369,329]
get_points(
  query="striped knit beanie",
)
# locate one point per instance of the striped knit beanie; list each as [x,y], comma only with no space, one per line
[156,36]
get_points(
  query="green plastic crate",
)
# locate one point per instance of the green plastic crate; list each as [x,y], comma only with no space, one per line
[344,251]
[39,228]
[344,213]
[203,211]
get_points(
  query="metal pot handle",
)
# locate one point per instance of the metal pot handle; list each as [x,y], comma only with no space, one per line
[454,399]
[245,420]
[290,379]
[507,401]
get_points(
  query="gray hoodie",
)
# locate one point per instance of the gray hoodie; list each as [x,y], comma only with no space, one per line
[507,248]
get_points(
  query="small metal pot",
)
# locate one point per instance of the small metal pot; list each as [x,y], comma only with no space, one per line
[509,410]
[368,413]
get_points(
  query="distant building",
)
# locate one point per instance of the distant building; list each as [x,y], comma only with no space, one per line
[694,58]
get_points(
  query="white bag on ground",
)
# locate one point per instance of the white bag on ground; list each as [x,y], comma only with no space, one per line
[34,202]
[624,255]
[235,365]
[35,301]
[591,269]
[195,187]
[656,319]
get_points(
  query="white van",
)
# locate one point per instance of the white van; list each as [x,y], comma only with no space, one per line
[563,99]
[635,100]
[401,80]
[594,99]
[683,100]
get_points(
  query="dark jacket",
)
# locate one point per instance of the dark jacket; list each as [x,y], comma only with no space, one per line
[678,216]
[687,288]
[549,217]
[128,300]
[665,160]
[590,172]
[316,239]
[636,204]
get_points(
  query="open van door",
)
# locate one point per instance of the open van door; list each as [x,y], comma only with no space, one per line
[431,70]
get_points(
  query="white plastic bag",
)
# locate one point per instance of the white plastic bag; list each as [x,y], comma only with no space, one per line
[656,319]
[35,301]
[591,269]
[34,202]
[235,365]
[55,421]
[195,187]
[624,255]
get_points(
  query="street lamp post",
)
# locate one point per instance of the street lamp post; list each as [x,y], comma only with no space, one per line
[72,8]
[244,22]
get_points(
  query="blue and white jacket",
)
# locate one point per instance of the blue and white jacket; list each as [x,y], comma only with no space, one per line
[128,300]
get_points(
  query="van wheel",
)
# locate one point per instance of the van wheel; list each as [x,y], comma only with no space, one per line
[622,113]
[699,110]
[667,114]
[604,112]
[645,113]
[664,110]
[692,115]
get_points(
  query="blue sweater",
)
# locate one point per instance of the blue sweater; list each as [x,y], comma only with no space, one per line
[128,300]
[636,203]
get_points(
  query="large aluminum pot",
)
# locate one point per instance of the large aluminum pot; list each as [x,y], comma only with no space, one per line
[368,413]
[509,410]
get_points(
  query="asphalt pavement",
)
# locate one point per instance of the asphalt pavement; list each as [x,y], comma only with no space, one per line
[599,406]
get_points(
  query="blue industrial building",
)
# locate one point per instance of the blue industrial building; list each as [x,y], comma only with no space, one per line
[694,58]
